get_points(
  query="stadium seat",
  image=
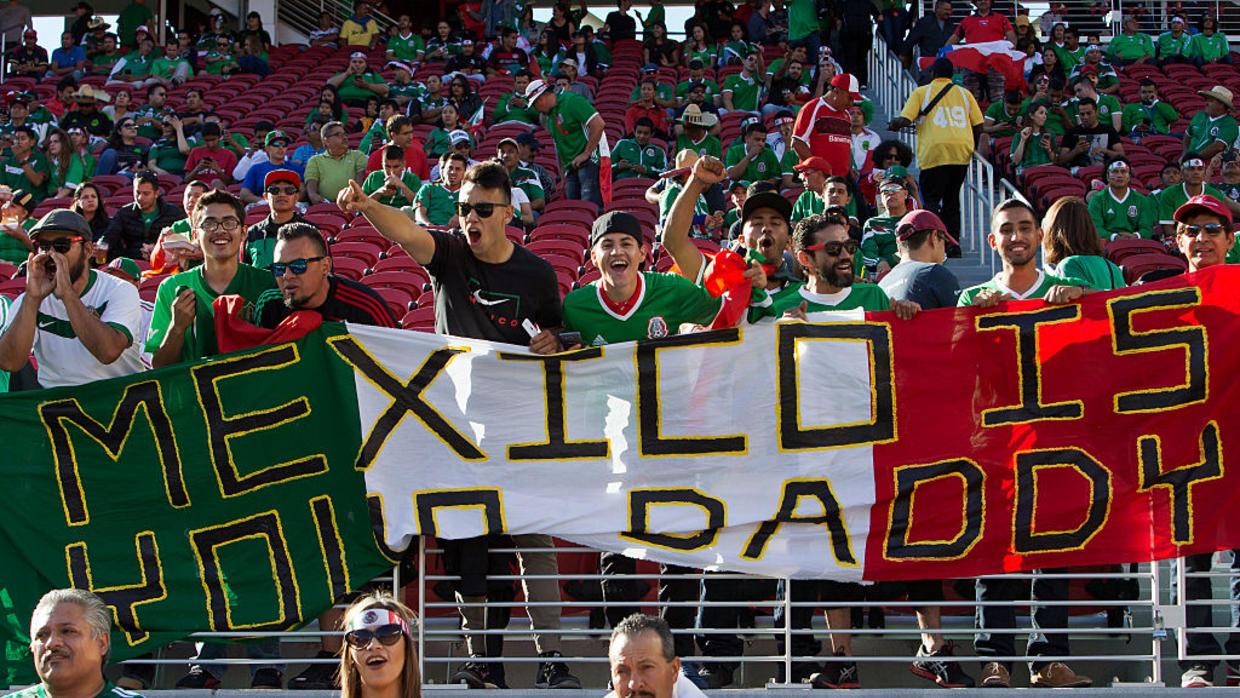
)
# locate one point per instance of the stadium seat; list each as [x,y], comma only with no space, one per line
[364,251]
[1119,250]
[568,248]
[1138,264]
[349,267]
[408,279]
[398,299]
[420,318]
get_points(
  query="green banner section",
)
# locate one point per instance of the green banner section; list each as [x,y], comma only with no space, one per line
[218,495]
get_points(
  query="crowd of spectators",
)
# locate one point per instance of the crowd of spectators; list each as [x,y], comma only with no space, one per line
[442,167]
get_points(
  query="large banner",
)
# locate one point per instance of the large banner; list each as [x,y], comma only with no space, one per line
[248,491]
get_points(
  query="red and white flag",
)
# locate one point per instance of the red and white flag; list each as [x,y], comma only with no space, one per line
[1001,55]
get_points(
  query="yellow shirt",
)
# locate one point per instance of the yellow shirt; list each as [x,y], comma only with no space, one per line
[355,34]
[945,135]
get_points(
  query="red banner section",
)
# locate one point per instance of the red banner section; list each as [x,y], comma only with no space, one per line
[1034,435]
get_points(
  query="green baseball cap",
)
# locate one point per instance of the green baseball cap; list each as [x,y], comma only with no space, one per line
[896,172]
[276,135]
[125,268]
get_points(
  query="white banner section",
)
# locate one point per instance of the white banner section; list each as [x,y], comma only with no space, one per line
[746,450]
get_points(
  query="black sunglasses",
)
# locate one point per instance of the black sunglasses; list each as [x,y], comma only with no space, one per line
[386,635]
[282,190]
[297,266]
[834,247]
[483,210]
[61,245]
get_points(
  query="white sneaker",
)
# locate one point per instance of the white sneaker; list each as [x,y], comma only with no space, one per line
[1197,676]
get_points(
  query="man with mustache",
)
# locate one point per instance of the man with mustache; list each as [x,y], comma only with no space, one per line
[644,662]
[69,640]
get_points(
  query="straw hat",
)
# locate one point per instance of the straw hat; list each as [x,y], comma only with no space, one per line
[694,116]
[1220,93]
[89,92]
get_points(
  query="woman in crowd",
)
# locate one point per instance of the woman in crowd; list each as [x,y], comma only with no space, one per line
[659,50]
[699,45]
[339,113]
[88,203]
[1033,145]
[438,140]
[561,24]
[120,107]
[378,658]
[547,52]
[1073,249]
[463,97]
[67,170]
[1050,66]
[79,141]
[124,155]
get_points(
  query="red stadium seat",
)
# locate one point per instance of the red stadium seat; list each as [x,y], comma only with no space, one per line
[1139,264]
[1119,250]
[349,267]
[398,299]
[406,279]
[398,262]
[363,251]
[569,248]
[420,318]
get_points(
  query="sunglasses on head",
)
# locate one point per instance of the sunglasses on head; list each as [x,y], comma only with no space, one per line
[297,266]
[834,247]
[61,245]
[483,210]
[387,635]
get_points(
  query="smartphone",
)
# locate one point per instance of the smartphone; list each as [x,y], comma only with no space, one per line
[569,339]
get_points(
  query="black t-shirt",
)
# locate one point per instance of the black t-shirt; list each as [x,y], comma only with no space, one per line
[621,25]
[488,301]
[1100,136]
[928,285]
[347,301]
[96,124]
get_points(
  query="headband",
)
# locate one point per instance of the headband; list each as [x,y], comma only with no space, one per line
[373,618]
[1193,162]
[1116,165]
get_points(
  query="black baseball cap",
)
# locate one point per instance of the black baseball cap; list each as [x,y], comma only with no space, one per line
[62,219]
[616,222]
[529,140]
[765,197]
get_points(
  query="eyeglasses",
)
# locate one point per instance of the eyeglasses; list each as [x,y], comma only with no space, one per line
[834,247]
[211,225]
[386,634]
[61,245]
[298,267]
[128,124]
[1212,230]
[287,191]
[334,134]
[483,210]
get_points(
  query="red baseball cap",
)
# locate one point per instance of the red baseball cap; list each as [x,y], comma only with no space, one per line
[848,83]
[1203,202]
[814,162]
[918,220]
[281,176]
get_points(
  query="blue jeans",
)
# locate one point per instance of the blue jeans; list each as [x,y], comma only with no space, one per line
[266,649]
[995,644]
[107,162]
[582,183]
[1203,616]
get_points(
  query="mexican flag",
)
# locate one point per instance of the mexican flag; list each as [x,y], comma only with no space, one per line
[248,491]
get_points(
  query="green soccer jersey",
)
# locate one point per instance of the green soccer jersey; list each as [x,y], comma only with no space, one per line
[40,691]
[807,204]
[437,143]
[375,181]
[16,178]
[249,283]
[1098,273]
[406,48]
[166,68]
[1107,105]
[216,61]
[764,166]
[878,241]
[1069,57]
[1035,154]
[505,111]
[998,113]
[1170,46]
[668,197]
[1134,213]
[1177,195]
[744,91]
[350,91]
[1158,114]
[664,302]
[406,92]
[1055,125]
[439,202]
[708,55]
[168,156]
[662,91]
[807,77]
[1208,48]
[375,137]
[527,181]
[567,123]
[735,51]
[1204,130]
[1131,47]
[859,296]
[651,157]
[1039,289]
[710,145]
[712,88]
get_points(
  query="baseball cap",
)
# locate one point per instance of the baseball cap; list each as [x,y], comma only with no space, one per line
[529,140]
[814,162]
[509,141]
[569,61]
[848,83]
[742,183]
[276,135]
[467,42]
[895,172]
[281,175]
[765,199]
[25,199]
[920,219]
[1203,202]
[59,219]
[616,222]
[458,136]
[125,268]
[535,89]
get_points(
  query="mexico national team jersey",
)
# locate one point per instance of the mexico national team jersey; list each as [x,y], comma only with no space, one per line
[828,133]
[63,359]
[109,691]
[859,296]
[1039,289]
[664,302]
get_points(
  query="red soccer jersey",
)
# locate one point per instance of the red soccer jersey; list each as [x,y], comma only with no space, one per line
[975,30]
[827,132]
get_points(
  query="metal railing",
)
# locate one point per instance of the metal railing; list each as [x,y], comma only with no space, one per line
[303,15]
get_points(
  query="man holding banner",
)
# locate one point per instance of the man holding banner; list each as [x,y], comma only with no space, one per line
[1204,235]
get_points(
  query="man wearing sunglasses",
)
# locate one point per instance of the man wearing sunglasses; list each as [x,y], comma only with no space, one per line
[275,152]
[1205,237]
[136,226]
[183,322]
[921,276]
[487,288]
[80,324]
[280,189]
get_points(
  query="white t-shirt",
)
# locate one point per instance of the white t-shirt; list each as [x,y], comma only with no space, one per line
[63,359]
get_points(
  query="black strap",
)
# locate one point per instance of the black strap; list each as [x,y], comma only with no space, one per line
[936,99]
